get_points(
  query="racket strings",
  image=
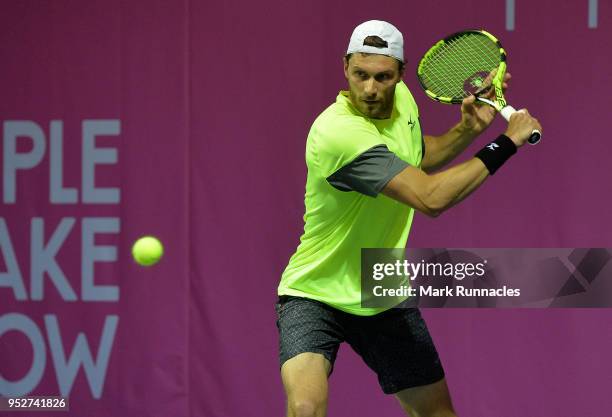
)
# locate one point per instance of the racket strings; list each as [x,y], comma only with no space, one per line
[444,68]
[457,61]
[449,68]
[452,70]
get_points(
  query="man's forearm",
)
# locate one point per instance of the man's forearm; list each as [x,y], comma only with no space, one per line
[433,194]
[440,150]
[456,183]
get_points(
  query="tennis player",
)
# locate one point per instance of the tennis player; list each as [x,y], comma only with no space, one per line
[369,168]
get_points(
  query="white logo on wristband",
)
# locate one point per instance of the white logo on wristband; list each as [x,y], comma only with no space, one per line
[492,146]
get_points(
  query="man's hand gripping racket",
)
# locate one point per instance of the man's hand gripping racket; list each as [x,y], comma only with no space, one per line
[469,63]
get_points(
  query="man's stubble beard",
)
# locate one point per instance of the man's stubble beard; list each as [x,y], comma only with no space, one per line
[383,112]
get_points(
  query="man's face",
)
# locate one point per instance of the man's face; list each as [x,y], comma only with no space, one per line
[372,79]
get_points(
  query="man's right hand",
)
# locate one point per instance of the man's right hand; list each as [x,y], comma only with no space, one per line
[520,127]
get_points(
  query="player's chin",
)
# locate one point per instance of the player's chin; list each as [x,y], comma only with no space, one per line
[368,111]
[372,108]
[378,113]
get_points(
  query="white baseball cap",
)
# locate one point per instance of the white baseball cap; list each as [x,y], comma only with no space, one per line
[384,30]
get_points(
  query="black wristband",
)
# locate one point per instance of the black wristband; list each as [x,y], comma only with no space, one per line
[496,153]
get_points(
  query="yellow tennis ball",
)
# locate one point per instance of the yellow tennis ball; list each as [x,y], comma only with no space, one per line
[147,250]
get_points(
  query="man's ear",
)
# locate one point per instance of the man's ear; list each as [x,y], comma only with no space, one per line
[401,73]
[345,63]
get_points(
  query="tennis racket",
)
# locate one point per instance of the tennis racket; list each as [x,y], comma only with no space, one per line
[466,63]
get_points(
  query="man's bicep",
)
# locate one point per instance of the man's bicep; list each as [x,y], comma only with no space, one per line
[410,187]
[429,152]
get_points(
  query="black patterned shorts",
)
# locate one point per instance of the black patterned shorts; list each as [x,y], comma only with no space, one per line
[395,344]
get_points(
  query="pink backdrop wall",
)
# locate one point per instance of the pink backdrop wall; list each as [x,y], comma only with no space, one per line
[211,103]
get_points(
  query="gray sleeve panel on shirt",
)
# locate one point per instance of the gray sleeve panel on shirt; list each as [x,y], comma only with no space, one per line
[369,172]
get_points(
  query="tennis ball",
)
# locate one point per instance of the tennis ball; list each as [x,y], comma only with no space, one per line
[147,250]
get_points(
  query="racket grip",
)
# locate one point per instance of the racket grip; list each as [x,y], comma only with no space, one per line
[536,135]
[507,111]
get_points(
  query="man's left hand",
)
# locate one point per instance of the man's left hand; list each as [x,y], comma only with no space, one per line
[476,117]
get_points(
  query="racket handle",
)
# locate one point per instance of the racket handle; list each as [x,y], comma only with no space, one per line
[536,135]
[507,111]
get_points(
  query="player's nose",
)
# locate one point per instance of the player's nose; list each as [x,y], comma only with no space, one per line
[370,87]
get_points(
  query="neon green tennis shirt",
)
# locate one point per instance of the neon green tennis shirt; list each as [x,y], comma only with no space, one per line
[337,224]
